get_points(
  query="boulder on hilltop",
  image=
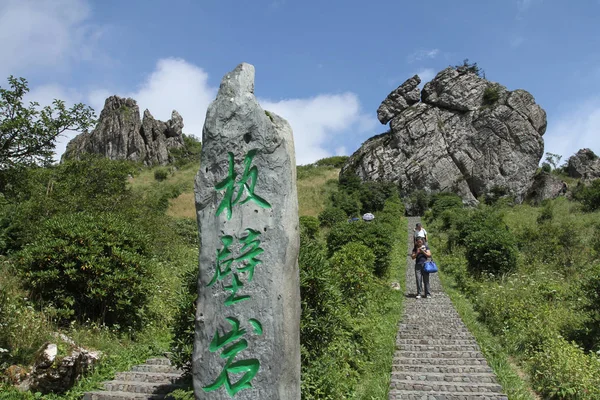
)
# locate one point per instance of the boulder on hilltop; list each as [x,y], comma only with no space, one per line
[584,164]
[466,135]
[122,135]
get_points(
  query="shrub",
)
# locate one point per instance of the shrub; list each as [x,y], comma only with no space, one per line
[353,266]
[310,225]
[347,201]
[94,266]
[331,216]
[491,95]
[563,371]
[441,202]
[492,251]
[374,194]
[590,196]
[377,236]
[160,174]
[546,167]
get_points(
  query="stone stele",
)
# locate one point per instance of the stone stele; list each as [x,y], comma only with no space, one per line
[247,341]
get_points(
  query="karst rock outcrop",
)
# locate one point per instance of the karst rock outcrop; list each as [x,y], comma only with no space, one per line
[121,135]
[461,133]
[584,164]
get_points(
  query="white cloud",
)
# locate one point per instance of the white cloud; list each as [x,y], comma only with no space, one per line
[422,54]
[575,129]
[319,121]
[176,85]
[48,34]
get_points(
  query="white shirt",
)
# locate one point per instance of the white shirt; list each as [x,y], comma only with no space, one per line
[422,233]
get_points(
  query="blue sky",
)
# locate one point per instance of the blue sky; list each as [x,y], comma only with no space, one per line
[323,65]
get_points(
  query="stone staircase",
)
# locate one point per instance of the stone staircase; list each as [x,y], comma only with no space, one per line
[436,357]
[154,380]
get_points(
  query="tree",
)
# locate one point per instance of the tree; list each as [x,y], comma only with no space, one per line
[553,159]
[471,67]
[28,134]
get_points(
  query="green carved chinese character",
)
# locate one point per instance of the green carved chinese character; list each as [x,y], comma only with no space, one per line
[250,251]
[248,367]
[251,242]
[246,184]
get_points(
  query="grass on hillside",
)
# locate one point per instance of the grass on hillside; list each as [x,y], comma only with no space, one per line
[314,184]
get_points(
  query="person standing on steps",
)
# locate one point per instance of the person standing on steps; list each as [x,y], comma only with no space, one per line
[420,232]
[420,254]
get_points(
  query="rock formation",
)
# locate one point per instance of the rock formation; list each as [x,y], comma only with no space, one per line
[247,341]
[545,186]
[466,135]
[584,164]
[121,135]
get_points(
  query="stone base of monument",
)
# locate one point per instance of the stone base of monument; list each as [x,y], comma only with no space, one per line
[154,380]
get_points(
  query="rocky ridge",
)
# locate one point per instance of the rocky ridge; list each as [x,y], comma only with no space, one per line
[466,135]
[122,135]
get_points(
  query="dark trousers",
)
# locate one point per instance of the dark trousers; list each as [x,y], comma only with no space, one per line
[424,276]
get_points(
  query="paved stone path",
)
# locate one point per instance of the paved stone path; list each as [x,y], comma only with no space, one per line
[436,356]
[152,380]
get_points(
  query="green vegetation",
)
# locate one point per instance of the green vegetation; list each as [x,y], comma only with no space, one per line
[528,280]
[471,67]
[28,134]
[491,94]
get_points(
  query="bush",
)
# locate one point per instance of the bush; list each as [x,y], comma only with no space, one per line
[563,371]
[331,216]
[377,236]
[353,266]
[491,95]
[310,225]
[590,196]
[90,266]
[491,251]
[347,201]
[374,194]
[546,167]
[160,174]
[441,202]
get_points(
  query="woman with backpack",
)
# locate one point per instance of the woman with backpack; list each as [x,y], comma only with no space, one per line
[420,254]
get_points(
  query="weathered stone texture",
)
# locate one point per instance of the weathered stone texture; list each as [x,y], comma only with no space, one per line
[545,186]
[236,125]
[584,164]
[458,138]
[121,135]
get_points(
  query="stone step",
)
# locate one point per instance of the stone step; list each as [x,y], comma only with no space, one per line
[437,342]
[152,377]
[430,328]
[158,361]
[441,369]
[122,396]
[434,335]
[438,361]
[141,387]
[440,354]
[480,377]
[421,395]
[439,347]
[441,386]
[155,368]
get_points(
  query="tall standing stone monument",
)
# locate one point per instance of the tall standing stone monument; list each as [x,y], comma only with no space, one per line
[247,343]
